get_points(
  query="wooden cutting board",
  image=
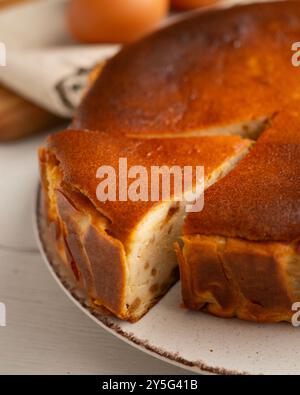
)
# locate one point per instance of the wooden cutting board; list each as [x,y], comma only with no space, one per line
[19,117]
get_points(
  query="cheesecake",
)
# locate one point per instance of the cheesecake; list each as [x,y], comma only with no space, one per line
[218,90]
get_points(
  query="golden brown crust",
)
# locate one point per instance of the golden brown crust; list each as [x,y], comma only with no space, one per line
[260,199]
[236,278]
[76,257]
[212,70]
[80,154]
[99,259]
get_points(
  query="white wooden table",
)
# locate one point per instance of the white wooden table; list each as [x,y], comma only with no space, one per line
[45,332]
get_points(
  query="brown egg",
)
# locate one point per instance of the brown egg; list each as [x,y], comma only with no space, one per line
[121,21]
[190,4]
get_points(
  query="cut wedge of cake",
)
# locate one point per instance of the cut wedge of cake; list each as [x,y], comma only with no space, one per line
[121,253]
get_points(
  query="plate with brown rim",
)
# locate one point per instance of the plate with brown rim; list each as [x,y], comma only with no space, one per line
[192,340]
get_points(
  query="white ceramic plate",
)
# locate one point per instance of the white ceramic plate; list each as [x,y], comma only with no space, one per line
[192,340]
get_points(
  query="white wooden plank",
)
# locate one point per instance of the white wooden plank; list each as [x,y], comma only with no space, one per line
[47,334]
[18,182]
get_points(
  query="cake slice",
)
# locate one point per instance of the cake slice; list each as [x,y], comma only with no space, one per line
[241,254]
[121,252]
